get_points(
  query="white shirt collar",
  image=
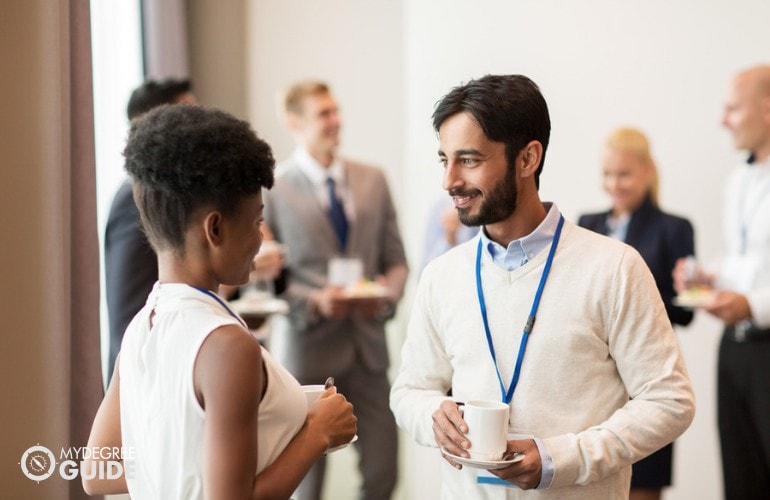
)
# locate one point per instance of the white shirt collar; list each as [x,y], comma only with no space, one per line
[315,171]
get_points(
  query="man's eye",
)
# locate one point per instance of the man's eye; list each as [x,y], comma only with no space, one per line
[469,161]
[442,161]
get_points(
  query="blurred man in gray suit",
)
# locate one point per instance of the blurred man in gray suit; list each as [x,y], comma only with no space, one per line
[323,208]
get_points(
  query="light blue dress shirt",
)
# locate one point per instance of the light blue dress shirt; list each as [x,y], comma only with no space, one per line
[521,251]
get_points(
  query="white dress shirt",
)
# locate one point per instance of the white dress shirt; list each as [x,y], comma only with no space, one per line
[318,174]
[746,266]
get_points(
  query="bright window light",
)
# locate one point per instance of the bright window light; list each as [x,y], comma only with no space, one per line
[117,69]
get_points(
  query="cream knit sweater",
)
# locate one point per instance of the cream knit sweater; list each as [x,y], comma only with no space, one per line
[603,382]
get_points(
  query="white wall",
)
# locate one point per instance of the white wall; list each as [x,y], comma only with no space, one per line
[356,47]
[661,66]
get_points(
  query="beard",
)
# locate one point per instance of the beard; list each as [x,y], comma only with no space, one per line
[499,204]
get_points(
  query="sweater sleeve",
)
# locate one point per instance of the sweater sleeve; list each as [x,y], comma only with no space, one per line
[646,352]
[425,375]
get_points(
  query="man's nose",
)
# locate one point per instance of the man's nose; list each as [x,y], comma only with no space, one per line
[452,179]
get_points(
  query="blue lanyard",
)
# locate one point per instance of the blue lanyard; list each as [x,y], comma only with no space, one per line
[221,302]
[508,395]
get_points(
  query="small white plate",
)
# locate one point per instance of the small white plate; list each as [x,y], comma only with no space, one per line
[369,290]
[259,307]
[693,300]
[364,298]
[337,448]
[485,464]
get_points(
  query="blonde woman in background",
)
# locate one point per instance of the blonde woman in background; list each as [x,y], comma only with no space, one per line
[630,178]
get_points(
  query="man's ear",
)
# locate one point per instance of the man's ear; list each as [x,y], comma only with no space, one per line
[292,121]
[765,109]
[529,158]
[212,227]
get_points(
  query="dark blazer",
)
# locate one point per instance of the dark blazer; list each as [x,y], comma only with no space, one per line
[314,348]
[661,239]
[130,266]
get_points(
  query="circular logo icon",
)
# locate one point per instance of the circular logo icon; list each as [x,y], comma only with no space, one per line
[38,463]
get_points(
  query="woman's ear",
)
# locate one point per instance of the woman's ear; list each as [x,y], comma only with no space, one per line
[212,227]
[529,158]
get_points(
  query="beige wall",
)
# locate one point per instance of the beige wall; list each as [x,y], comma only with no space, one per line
[49,358]
[218,54]
[357,47]
[32,359]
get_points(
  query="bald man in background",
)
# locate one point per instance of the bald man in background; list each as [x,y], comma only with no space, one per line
[742,294]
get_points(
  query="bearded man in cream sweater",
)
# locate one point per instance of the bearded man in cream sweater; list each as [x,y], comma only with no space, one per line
[564,325]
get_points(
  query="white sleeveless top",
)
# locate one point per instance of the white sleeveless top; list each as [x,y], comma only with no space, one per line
[161,420]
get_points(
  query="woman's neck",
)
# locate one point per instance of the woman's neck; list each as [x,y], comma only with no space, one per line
[173,268]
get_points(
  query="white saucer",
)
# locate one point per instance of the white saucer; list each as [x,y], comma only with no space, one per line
[256,306]
[365,296]
[485,464]
[337,448]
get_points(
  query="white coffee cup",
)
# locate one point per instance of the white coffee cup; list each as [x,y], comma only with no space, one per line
[487,428]
[313,392]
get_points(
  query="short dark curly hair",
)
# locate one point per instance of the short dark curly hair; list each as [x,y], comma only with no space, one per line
[182,158]
[508,108]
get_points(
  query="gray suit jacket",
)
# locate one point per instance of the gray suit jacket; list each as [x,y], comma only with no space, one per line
[310,346]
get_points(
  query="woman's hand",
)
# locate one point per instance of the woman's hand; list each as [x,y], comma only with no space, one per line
[332,416]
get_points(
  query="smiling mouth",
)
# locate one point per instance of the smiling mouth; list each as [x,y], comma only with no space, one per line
[463,200]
